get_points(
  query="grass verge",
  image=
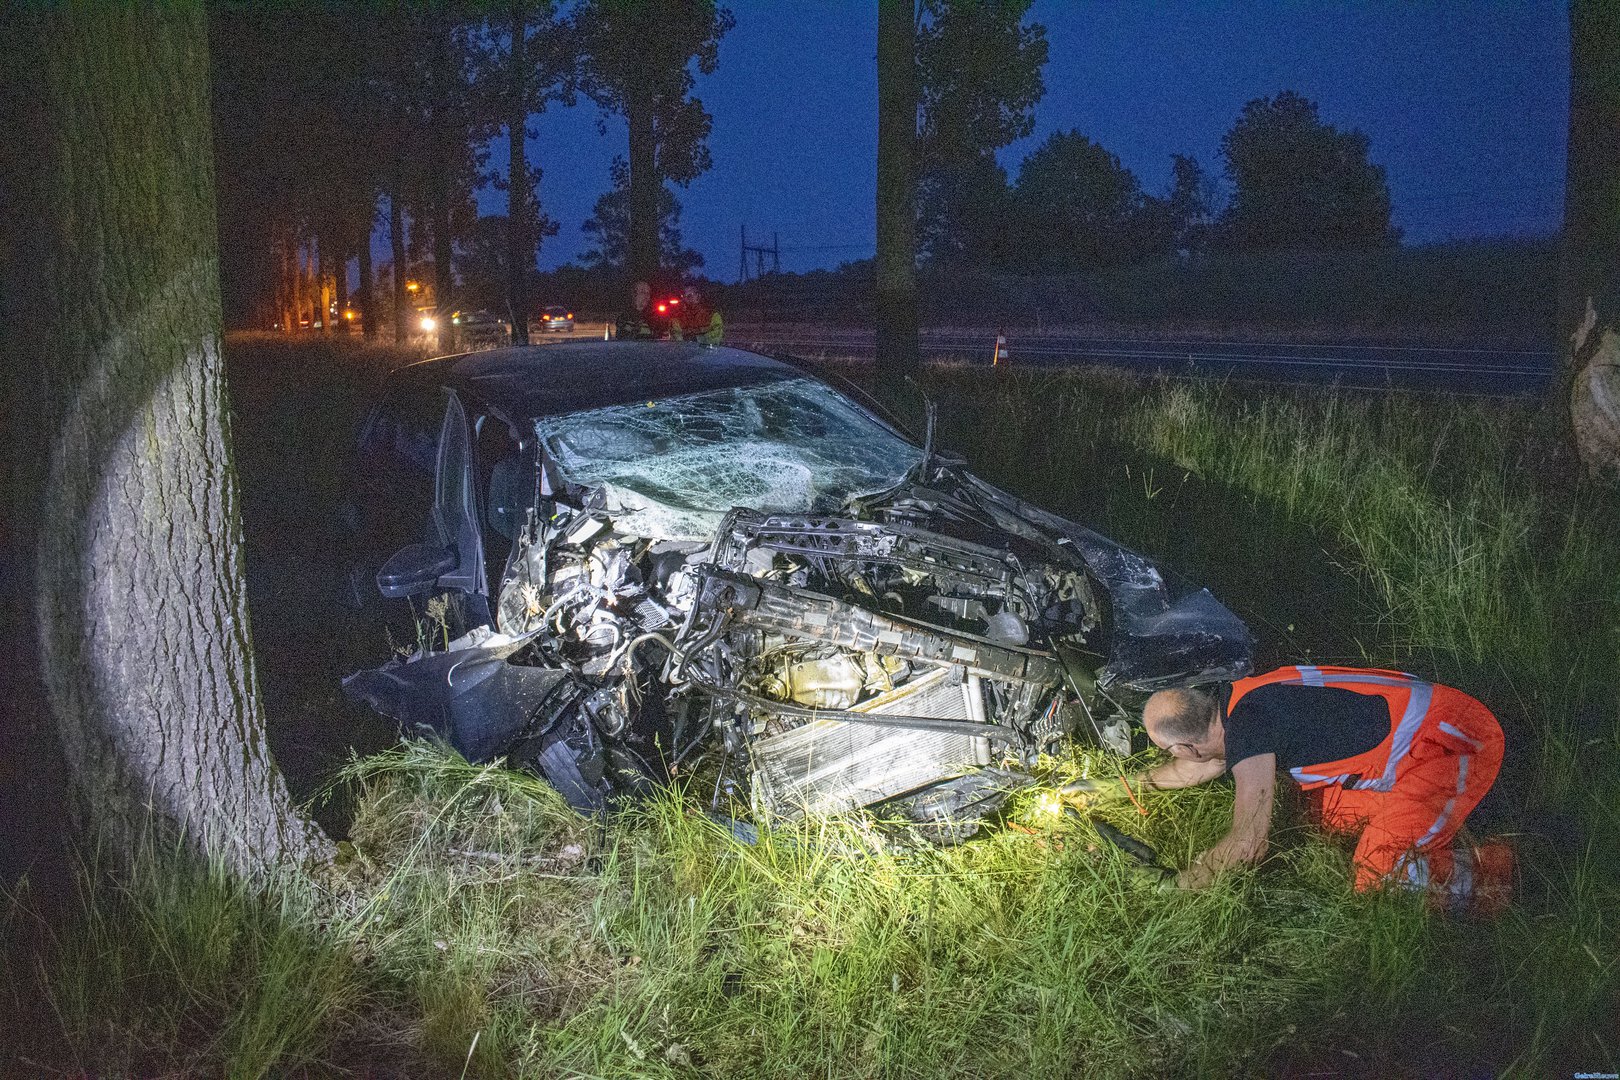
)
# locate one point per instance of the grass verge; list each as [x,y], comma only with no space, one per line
[475,926]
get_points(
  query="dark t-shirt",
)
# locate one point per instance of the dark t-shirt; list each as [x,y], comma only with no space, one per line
[1304,725]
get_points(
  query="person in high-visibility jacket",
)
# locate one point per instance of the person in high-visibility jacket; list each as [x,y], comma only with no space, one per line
[1400,760]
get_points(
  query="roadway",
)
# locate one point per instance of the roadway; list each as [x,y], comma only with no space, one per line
[1496,372]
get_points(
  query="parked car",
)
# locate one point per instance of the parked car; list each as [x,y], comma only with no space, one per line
[480,329]
[610,559]
[556,318]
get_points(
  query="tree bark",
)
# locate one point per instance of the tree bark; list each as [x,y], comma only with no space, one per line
[139,601]
[895,265]
[1590,301]
[642,256]
[396,244]
[519,199]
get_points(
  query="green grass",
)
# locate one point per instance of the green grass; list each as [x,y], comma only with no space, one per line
[475,926]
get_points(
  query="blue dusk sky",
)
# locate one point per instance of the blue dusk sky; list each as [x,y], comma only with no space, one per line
[1466,105]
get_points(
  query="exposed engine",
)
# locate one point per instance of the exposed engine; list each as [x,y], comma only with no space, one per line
[841,661]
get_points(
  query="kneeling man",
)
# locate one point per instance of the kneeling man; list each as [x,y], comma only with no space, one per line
[1401,760]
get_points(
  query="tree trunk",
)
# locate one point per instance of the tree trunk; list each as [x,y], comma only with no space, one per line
[139,600]
[368,316]
[895,267]
[519,199]
[438,170]
[323,291]
[306,284]
[1590,304]
[396,243]
[287,298]
[340,281]
[642,256]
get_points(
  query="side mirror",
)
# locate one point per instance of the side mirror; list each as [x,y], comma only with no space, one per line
[412,570]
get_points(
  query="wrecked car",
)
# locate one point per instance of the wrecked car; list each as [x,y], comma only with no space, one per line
[627,556]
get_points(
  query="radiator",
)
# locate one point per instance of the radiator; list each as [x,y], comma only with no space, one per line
[828,766]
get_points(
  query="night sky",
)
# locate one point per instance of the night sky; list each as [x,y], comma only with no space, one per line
[1466,105]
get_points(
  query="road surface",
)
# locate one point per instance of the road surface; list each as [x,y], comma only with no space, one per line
[1490,371]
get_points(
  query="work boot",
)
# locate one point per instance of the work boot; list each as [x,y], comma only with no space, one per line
[1481,881]
[1495,863]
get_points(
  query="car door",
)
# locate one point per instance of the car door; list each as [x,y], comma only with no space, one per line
[455,514]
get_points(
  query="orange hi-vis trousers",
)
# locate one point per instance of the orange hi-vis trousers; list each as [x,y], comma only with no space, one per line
[1409,794]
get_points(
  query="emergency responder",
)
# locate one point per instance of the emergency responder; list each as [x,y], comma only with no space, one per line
[697,321]
[1398,759]
[632,325]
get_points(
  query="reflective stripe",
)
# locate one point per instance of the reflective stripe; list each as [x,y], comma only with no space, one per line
[1417,870]
[1445,813]
[1312,778]
[1420,694]
[1417,707]
[1452,731]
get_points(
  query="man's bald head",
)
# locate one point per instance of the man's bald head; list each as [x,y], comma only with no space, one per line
[1180,716]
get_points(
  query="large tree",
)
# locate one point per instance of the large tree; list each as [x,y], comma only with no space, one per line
[139,604]
[979,70]
[300,138]
[608,227]
[1190,205]
[639,60]
[539,67]
[895,264]
[1301,183]
[1590,305]
[1078,208]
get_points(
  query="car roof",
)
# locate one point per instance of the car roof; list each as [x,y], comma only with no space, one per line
[529,382]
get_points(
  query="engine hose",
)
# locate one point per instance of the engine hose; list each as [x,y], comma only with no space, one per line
[1131,846]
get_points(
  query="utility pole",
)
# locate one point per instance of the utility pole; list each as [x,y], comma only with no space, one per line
[759,251]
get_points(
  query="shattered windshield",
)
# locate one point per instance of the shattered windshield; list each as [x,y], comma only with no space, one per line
[672,468]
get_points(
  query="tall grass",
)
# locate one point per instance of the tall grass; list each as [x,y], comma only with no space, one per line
[179,967]
[474,925]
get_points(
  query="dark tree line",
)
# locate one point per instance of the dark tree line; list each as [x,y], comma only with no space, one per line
[1296,183]
[958,80]
[333,120]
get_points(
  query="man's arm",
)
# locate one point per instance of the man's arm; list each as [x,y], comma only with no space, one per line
[1245,843]
[1181,773]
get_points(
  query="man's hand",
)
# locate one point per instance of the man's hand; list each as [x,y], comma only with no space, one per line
[1198,875]
[1093,789]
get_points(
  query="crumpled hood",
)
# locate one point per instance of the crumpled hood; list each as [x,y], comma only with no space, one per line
[1158,635]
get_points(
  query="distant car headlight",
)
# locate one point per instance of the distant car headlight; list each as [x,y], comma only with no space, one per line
[429,322]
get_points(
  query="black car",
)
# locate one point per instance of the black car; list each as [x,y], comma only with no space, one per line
[616,557]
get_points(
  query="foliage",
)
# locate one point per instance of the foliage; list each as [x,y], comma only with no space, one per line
[483,261]
[979,71]
[633,47]
[301,136]
[1299,182]
[1078,208]
[609,229]
[1189,205]
[638,61]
